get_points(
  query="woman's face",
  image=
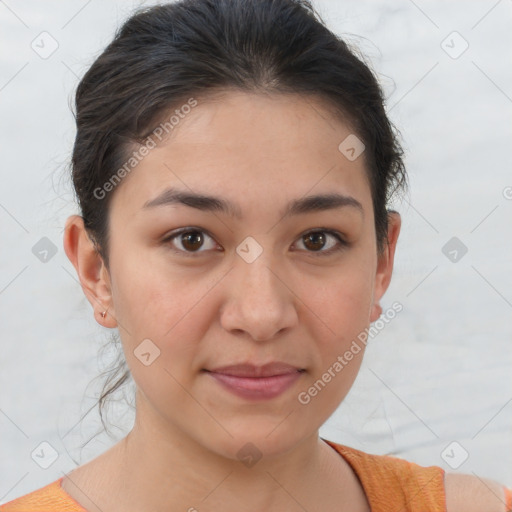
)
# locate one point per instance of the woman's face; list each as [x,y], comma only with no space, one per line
[247,284]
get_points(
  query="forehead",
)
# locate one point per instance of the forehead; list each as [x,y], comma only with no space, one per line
[248,147]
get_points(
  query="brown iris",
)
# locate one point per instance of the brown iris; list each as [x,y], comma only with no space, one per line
[315,238]
[192,240]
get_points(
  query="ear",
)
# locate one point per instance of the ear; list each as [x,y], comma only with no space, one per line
[385,264]
[91,270]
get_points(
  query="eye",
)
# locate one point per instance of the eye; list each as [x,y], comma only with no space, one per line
[316,240]
[190,239]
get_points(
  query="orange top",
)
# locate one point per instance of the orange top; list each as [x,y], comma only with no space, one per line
[389,483]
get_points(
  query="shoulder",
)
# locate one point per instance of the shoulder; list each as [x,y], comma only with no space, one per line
[387,479]
[49,497]
[468,493]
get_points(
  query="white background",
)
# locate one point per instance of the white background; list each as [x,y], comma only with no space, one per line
[440,372]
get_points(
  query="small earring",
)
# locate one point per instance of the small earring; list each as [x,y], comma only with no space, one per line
[103,313]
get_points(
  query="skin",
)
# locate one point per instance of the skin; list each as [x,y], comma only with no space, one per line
[213,308]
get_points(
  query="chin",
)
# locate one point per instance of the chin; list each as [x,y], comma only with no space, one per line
[258,441]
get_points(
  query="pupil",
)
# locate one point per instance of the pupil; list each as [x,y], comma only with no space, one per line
[189,238]
[315,237]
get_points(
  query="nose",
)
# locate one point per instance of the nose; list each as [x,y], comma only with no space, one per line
[260,302]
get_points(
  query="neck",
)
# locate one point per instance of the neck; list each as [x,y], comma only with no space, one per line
[176,472]
[160,467]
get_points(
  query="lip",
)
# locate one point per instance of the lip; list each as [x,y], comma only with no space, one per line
[257,382]
[249,370]
[257,388]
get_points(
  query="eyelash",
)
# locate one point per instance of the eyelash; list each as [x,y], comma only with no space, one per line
[342,244]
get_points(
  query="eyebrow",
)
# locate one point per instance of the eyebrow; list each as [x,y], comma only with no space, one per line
[314,203]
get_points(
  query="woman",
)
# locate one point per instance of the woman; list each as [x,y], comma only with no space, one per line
[233,163]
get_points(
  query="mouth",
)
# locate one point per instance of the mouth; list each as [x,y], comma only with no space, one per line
[256,382]
[273,369]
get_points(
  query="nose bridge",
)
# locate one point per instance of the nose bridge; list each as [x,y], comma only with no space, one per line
[260,302]
[255,258]
[257,280]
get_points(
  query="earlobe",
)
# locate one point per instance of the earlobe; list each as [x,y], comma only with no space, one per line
[376,311]
[90,269]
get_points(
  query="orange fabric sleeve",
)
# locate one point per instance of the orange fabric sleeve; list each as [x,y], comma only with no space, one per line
[508,499]
[391,483]
[49,498]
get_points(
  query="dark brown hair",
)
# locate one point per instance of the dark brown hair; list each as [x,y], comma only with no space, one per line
[164,55]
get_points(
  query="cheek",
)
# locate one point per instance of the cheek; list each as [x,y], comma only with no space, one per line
[342,309]
[341,313]
[170,311]
[148,300]
[342,302]
[161,330]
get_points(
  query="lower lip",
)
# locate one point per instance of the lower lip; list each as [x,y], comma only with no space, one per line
[257,388]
